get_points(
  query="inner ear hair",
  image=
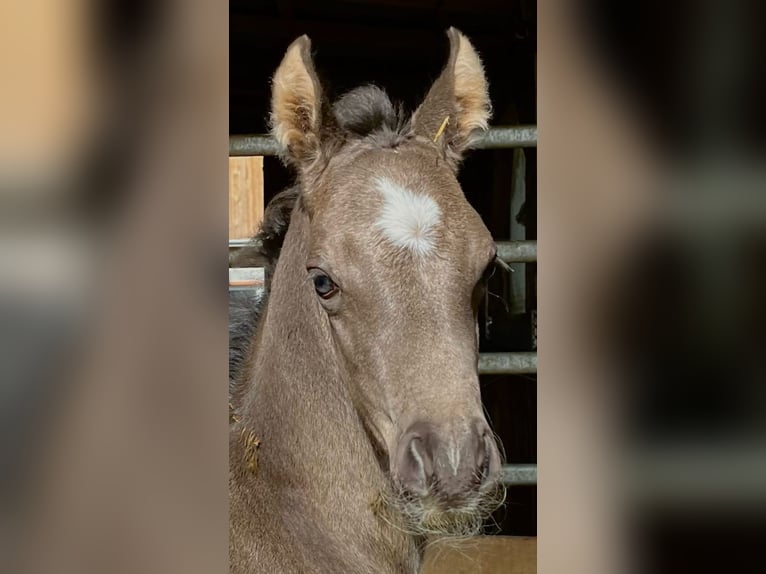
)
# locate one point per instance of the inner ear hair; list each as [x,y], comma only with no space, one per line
[296,103]
[457,105]
[472,104]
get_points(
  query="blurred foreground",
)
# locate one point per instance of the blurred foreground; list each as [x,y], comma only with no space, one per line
[113,209]
[652,380]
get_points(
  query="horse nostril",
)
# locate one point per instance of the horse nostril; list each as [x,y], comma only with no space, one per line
[416,455]
[481,458]
[486,457]
[415,462]
[485,464]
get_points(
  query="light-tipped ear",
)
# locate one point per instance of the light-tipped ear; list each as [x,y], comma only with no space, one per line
[457,105]
[296,97]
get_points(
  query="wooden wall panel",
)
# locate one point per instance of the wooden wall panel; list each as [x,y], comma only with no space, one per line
[483,555]
[245,196]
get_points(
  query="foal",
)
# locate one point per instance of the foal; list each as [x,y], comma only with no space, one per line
[357,426]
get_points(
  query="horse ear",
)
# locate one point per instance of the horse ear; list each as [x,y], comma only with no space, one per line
[457,105]
[296,97]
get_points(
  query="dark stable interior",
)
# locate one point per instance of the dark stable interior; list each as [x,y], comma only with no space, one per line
[402,46]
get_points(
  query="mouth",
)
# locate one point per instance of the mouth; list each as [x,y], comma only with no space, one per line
[432,515]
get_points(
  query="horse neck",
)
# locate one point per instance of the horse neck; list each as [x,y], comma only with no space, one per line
[299,404]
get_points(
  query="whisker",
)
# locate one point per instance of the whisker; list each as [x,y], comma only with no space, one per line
[424,516]
[501,299]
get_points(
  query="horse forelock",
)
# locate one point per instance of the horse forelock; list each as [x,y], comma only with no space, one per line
[367,112]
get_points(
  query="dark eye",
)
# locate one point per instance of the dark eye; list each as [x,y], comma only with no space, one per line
[324,286]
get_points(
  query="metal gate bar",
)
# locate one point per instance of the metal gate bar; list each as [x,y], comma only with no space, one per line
[517,251]
[253,145]
[507,363]
[506,136]
[519,474]
[493,138]
[508,251]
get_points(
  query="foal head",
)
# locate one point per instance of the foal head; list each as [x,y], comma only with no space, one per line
[396,263]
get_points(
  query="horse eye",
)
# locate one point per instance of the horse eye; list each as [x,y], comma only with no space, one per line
[324,286]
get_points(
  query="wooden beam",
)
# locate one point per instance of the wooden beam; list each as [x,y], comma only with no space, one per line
[245,196]
[485,554]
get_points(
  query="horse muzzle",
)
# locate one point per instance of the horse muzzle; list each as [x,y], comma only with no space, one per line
[449,464]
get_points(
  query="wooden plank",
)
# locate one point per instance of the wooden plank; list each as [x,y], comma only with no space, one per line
[483,555]
[245,196]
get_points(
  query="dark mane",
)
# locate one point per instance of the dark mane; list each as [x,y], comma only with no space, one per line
[263,251]
[367,111]
[245,309]
[364,113]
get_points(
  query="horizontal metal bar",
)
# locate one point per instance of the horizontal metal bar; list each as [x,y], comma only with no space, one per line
[517,251]
[508,251]
[519,474]
[507,363]
[239,243]
[252,145]
[506,137]
[493,138]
